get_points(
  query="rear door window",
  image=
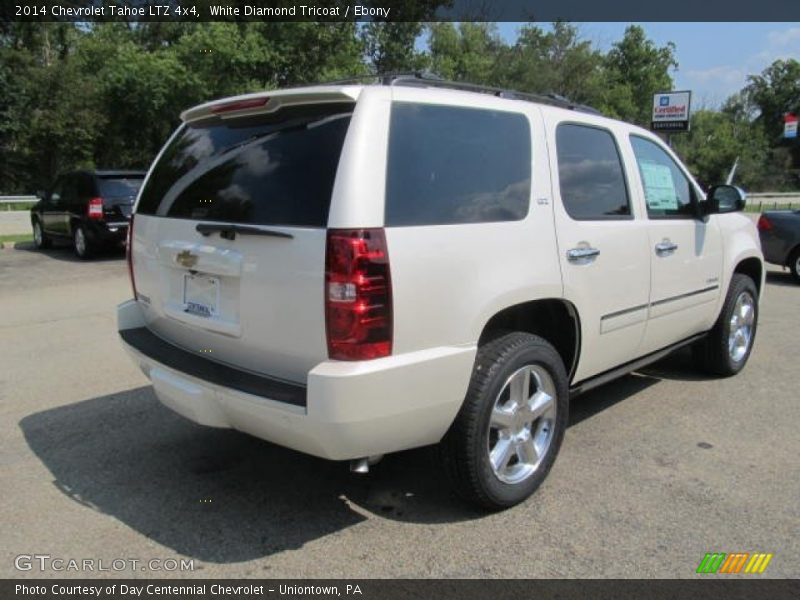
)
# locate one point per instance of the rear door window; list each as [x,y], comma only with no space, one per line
[452,164]
[590,174]
[119,187]
[272,169]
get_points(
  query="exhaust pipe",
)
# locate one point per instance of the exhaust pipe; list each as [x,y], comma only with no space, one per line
[362,465]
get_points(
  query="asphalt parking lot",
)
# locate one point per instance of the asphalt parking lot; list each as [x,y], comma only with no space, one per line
[657,468]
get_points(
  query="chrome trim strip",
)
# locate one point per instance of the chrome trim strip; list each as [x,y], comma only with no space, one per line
[625,311]
[686,295]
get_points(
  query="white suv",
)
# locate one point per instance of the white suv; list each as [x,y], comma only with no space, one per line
[351,270]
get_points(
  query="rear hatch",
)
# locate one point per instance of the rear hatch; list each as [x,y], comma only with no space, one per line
[229,234]
[118,194]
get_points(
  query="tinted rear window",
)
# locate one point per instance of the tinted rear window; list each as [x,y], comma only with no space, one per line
[118,187]
[274,169]
[456,165]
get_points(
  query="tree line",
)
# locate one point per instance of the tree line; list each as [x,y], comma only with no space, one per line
[109,94]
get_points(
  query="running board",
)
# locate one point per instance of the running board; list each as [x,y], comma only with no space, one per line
[610,375]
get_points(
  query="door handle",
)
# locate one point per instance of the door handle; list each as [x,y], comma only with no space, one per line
[583,254]
[666,248]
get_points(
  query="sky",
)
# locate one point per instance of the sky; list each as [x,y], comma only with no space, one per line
[714,58]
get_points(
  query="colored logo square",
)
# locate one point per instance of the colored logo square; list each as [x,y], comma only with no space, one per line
[663,101]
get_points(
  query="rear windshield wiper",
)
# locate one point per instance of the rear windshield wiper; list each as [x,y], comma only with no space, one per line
[229,230]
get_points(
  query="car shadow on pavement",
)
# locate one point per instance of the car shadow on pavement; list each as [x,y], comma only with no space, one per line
[221,496]
[781,278]
[63,251]
[215,494]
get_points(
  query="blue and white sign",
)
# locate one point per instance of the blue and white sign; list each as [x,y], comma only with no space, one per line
[671,111]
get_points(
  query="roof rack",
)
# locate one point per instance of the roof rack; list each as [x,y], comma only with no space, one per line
[426,79]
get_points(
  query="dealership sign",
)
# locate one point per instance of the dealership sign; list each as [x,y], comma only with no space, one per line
[790,126]
[671,111]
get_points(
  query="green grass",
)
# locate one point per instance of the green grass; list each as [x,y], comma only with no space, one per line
[17,237]
[17,206]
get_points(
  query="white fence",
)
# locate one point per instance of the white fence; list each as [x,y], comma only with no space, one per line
[9,200]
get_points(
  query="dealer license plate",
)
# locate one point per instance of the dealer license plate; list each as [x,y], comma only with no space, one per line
[200,295]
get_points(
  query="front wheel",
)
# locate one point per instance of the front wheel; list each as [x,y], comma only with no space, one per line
[729,343]
[509,430]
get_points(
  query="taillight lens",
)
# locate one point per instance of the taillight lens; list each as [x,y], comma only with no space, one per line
[95,208]
[129,255]
[764,224]
[358,294]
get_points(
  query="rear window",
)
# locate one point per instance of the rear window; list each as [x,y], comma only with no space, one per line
[273,169]
[456,165]
[118,187]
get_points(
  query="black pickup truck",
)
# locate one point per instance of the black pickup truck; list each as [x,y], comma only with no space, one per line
[90,208]
[779,231]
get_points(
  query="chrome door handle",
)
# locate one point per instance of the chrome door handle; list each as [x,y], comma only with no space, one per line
[582,254]
[665,248]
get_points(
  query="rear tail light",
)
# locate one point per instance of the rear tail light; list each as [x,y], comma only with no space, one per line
[95,208]
[358,294]
[129,255]
[764,224]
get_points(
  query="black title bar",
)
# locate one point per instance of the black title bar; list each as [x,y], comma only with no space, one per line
[400,10]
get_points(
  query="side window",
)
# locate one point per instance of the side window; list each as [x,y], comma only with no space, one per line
[54,198]
[68,191]
[590,173]
[85,189]
[667,191]
[451,165]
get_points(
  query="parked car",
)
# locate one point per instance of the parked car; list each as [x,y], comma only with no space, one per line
[90,208]
[353,270]
[779,231]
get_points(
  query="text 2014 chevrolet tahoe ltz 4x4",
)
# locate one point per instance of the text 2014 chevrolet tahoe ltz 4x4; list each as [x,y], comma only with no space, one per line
[352,270]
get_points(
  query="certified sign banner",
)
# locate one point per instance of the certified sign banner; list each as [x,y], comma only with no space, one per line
[671,111]
[790,126]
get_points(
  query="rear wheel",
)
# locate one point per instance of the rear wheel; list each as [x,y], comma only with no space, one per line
[80,243]
[729,343]
[40,239]
[510,427]
[794,264]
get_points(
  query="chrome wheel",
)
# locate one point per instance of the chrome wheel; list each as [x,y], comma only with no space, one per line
[37,234]
[522,424]
[80,241]
[741,326]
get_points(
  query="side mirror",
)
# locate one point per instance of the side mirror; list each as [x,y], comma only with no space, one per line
[724,199]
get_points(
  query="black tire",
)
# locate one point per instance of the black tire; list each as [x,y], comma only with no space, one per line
[794,264]
[465,449]
[41,241]
[714,354]
[85,250]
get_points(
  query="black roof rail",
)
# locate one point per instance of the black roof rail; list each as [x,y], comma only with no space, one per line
[427,79]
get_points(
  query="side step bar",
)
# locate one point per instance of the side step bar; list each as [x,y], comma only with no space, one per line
[610,375]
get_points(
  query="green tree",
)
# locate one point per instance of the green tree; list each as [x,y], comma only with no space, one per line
[467,52]
[558,62]
[716,140]
[635,69]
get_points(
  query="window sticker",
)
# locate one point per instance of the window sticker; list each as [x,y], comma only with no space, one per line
[659,188]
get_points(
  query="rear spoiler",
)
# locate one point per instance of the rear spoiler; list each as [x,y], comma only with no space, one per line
[270,101]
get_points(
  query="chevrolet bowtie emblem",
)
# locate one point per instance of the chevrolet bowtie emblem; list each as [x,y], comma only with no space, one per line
[186,259]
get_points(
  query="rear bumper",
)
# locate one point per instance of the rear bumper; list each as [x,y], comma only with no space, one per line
[107,232]
[350,409]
